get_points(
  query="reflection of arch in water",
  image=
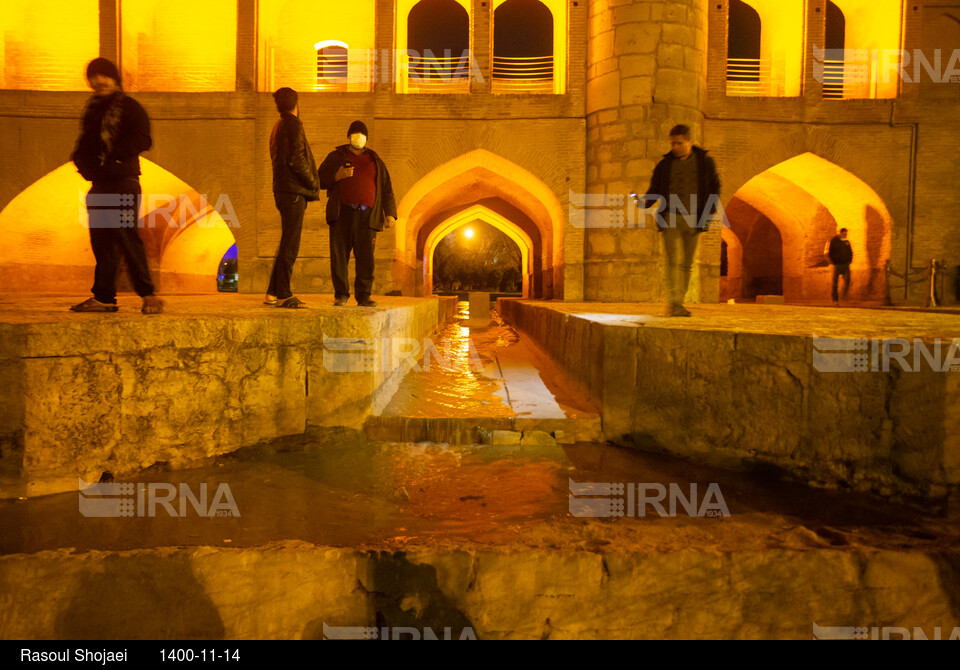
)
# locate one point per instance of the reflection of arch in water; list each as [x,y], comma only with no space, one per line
[808,198]
[47,242]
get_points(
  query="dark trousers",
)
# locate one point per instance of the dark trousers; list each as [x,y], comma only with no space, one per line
[291,208]
[352,232]
[838,271]
[113,208]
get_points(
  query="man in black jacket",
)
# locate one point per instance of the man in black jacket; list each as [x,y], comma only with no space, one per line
[840,255]
[360,203]
[115,130]
[686,187]
[294,184]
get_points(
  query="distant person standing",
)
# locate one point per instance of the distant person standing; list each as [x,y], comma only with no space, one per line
[840,254]
[115,130]
[360,203]
[295,182]
[688,188]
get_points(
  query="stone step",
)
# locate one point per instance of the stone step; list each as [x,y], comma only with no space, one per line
[472,591]
[482,430]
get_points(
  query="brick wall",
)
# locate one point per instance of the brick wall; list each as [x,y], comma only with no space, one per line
[218,144]
[635,69]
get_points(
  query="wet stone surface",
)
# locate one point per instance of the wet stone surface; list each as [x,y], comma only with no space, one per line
[367,495]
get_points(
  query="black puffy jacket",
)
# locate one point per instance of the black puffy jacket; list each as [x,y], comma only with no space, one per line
[294,170]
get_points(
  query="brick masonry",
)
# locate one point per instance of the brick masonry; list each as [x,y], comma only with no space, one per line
[635,69]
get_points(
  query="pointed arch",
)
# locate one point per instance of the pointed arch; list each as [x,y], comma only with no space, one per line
[501,223]
[466,180]
[808,198]
[185,236]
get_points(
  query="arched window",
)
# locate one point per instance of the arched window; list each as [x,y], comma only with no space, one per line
[743,50]
[523,47]
[941,33]
[833,58]
[861,56]
[332,65]
[437,57]
[765,48]
[303,44]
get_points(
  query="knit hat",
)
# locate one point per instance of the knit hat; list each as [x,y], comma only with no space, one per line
[104,67]
[358,127]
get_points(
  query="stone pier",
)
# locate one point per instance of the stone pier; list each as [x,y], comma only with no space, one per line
[87,394]
[737,385]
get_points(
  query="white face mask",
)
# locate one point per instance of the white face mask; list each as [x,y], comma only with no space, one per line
[358,140]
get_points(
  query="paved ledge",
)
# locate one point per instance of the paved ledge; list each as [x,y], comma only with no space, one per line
[737,384]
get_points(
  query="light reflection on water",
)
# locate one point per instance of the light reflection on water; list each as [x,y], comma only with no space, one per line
[353,493]
[463,383]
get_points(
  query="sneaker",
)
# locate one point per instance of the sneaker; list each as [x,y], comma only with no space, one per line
[340,302]
[367,302]
[93,305]
[151,305]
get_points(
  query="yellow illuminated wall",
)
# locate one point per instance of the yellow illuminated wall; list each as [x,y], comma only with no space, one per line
[872,25]
[289,29]
[179,45]
[558,8]
[45,45]
[781,45]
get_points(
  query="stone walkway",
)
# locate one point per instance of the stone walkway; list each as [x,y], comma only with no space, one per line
[17,309]
[774,319]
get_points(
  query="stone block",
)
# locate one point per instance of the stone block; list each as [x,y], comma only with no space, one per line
[603,92]
[537,438]
[500,437]
[632,38]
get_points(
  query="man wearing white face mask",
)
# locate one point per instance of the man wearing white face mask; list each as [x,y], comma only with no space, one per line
[360,203]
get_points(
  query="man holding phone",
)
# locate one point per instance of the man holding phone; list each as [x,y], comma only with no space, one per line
[360,203]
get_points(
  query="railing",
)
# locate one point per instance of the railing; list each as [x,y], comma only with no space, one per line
[833,79]
[748,77]
[344,71]
[523,75]
[437,75]
[848,79]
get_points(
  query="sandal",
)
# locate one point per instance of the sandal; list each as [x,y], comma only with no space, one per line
[293,302]
[93,305]
[270,300]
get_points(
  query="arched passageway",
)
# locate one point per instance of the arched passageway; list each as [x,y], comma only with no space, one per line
[47,241]
[781,221]
[480,185]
